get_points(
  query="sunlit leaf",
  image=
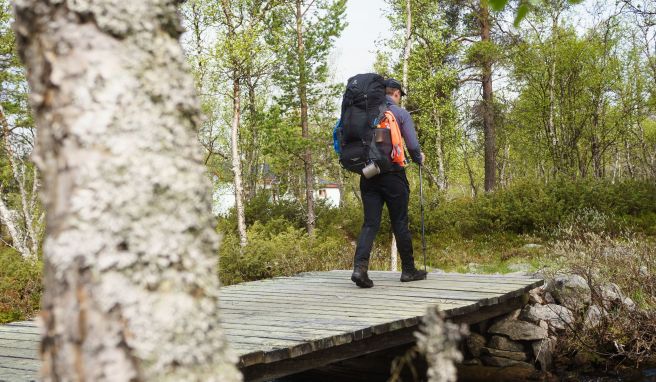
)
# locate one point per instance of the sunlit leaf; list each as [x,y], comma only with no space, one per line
[522,11]
[498,5]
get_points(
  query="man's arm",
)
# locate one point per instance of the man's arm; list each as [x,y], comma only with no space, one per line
[407,127]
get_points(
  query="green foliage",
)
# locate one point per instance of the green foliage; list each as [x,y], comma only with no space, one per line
[276,248]
[20,286]
[535,208]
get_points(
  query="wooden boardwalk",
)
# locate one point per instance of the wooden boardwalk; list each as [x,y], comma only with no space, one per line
[286,325]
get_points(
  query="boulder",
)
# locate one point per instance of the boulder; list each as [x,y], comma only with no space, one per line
[557,317]
[518,330]
[535,296]
[543,351]
[610,295]
[503,362]
[548,298]
[543,325]
[514,355]
[571,291]
[629,304]
[593,316]
[503,343]
[474,343]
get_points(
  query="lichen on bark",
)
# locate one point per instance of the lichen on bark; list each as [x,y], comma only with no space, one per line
[131,291]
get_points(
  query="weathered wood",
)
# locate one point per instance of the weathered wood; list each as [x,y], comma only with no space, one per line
[290,324]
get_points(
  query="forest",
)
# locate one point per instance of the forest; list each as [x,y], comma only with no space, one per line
[537,118]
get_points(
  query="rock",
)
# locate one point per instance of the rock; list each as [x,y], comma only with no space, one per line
[571,291]
[518,330]
[548,298]
[474,343]
[519,267]
[531,246]
[503,343]
[644,271]
[471,362]
[474,268]
[514,355]
[543,351]
[535,296]
[543,325]
[610,294]
[557,317]
[629,304]
[593,316]
[503,362]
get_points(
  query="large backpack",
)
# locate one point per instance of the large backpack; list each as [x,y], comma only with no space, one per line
[366,128]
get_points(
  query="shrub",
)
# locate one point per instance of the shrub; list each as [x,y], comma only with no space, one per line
[20,286]
[279,249]
[624,332]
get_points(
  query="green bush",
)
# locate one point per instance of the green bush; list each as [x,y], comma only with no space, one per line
[20,286]
[533,207]
[276,248]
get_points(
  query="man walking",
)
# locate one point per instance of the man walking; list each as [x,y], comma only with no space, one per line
[390,188]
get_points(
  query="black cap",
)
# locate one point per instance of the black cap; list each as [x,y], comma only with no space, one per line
[392,83]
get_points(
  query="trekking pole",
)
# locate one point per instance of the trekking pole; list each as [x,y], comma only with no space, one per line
[421,203]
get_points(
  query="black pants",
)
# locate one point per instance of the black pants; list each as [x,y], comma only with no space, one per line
[391,188]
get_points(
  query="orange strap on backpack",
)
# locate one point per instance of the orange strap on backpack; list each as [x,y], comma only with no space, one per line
[398,149]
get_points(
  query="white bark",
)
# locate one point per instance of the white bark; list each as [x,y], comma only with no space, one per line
[25,237]
[394,263]
[236,164]
[10,219]
[131,291]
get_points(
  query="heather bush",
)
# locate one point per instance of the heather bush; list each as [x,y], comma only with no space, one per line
[20,286]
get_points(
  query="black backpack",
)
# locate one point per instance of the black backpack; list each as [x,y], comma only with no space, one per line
[361,142]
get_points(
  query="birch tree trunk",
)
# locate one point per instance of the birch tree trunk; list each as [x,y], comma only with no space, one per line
[305,130]
[131,291]
[488,106]
[236,161]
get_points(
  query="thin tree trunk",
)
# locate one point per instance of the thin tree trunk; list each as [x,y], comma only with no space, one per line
[236,161]
[488,106]
[394,256]
[131,292]
[305,131]
[24,236]
[439,144]
[407,46]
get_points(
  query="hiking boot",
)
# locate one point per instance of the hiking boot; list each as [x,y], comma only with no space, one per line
[360,277]
[413,275]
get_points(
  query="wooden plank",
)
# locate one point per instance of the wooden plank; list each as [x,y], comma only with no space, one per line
[483,278]
[19,344]
[17,375]
[19,363]
[329,306]
[19,353]
[483,283]
[437,294]
[19,336]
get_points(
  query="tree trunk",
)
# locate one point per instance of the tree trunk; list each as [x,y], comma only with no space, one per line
[236,161]
[407,46]
[305,131]
[131,291]
[488,106]
[439,144]
[25,237]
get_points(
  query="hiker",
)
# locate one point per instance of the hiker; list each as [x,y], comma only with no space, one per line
[390,187]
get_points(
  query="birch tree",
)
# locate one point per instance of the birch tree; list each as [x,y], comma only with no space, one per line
[129,257]
[306,33]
